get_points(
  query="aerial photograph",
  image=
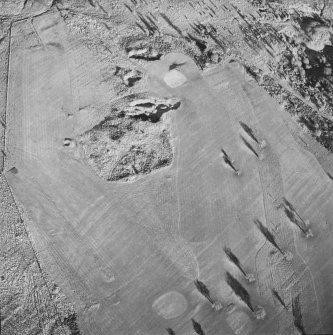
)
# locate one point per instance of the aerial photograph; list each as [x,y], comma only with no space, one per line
[166,167]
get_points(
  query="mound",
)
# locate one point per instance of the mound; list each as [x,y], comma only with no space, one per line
[130,142]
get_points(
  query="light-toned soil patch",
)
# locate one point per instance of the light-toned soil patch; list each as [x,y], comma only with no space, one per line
[174,78]
[170,305]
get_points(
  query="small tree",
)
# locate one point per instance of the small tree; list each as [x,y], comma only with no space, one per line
[288,205]
[249,131]
[170,331]
[2,122]
[239,290]
[197,327]
[229,161]
[226,157]
[269,236]
[294,217]
[202,288]
[249,146]
[277,296]
[233,259]
[297,314]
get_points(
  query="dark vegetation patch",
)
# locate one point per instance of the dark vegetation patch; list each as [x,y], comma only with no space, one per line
[201,42]
[309,72]
[303,58]
[129,76]
[130,142]
[66,325]
[297,314]
[239,290]
[320,127]
[71,322]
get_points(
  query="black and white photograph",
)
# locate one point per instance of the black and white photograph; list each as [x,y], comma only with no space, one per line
[166,167]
